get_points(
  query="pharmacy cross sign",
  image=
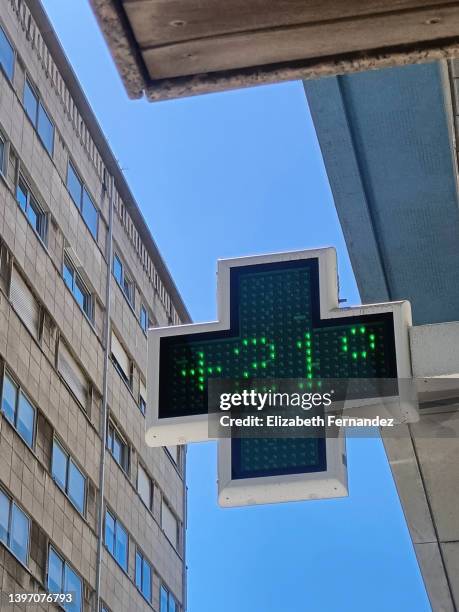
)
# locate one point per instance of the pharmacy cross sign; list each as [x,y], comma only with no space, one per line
[278,319]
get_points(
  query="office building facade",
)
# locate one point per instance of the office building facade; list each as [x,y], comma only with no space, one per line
[85,506]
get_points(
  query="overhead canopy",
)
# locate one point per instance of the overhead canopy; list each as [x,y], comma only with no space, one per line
[175,48]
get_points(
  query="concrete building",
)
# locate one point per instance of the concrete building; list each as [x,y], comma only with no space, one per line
[85,505]
[388,140]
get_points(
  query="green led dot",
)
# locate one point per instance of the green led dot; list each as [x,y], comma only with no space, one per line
[319,383]
[263,340]
[299,344]
[309,376]
[271,346]
[263,364]
[309,367]
[364,354]
[309,359]
[372,345]
[344,339]
[201,362]
[272,355]
[372,337]
[308,351]
[200,354]
[192,372]
[201,378]
[300,385]
[307,335]
[236,351]
[201,370]
[209,370]
[362,329]
[354,355]
[254,365]
[245,342]
[308,343]
[353,331]
[219,369]
[345,348]
[201,387]
[183,372]
[245,374]
[254,340]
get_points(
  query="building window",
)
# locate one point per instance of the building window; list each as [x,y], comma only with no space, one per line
[2,155]
[143,575]
[62,579]
[145,487]
[6,55]
[116,540]
[24,302]
[18,410]
[169,524]
[73,375]
[68,476]
[118,447]
[77,287]
[173,452]
[123,280]
[167,601]
[14,528]
[34,213]
[82,200]
[143,398]
[143,318]
[39,117]
[121,360]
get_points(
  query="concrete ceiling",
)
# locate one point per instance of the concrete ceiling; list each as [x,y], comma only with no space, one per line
[173,48]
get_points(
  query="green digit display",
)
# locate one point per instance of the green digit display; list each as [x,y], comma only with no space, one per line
[275,332]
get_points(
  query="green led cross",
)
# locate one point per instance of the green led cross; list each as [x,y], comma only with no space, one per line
[275,332]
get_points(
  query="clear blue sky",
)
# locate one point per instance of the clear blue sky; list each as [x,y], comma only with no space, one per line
[235,174]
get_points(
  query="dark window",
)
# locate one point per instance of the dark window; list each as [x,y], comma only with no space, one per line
[82,199]
[167,601]
[62,579]
[68,476]
[142,405]
[6,55]
[118,447]
[143,575]
[77,287]
[118,269]
[116,540]
[74,185]
[34,213]
[123,280]
[30,102]
[14,528]
[18,410]
[143,318]
[89,212]
[2,156]
[45,129]
[39,117]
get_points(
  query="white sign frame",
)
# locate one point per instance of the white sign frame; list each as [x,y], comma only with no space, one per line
[194,428]
[327,484]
